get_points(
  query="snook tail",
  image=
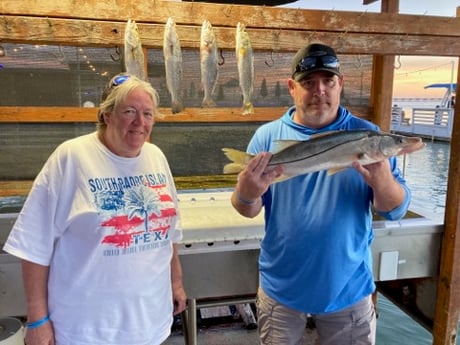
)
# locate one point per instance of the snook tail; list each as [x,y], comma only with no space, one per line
[239,158]
[248,108]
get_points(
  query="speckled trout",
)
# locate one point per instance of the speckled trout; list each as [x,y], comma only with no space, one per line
[245,62]
[173,64]
[209,63]
[332,151]
[133,53]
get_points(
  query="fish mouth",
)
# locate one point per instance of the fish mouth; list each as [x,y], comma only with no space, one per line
[412,144]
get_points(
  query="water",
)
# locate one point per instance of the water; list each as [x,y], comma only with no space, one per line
[426,173]
[428,167]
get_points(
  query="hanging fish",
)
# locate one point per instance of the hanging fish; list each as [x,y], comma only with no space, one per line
[173,64]
[209,63]
[133,53]
[245,61]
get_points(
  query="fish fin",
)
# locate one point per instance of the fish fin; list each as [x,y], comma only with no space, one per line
[208,103]
[282,178]
[280,145]
[233,168]
[248,108]
[239,158]
[323,134]
[334,171]
[177,107]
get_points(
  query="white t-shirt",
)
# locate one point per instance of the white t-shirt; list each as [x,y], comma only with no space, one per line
[105,225]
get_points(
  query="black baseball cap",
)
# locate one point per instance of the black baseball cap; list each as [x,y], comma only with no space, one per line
[313,58]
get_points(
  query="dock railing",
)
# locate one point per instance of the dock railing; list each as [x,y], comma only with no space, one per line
[434,123]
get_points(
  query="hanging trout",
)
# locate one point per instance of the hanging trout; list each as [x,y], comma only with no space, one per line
[133,53]
[209,63]
[173,65]
[245,61]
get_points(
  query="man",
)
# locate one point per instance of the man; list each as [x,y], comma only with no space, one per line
[315,257]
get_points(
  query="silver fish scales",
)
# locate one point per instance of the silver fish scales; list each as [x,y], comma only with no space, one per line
[209,63]
[173,64]
[133,53]
[332,151]
[245,62]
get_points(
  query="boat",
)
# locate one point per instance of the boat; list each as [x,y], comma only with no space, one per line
[433,122]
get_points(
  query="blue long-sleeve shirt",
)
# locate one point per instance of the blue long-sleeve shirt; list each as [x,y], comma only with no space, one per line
[315,256]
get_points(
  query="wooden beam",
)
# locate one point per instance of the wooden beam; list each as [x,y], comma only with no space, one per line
[382,79]
[74,32]
[228,15]
[211,115]
[447,309]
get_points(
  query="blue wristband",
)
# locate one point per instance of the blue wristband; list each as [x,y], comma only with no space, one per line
[244,201]
[38,323]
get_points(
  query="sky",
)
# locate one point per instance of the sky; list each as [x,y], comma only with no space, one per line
[412,73]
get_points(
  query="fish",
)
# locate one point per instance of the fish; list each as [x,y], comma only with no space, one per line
[209,63]
[332,151]
[245,63]
[133,54]
[173,64]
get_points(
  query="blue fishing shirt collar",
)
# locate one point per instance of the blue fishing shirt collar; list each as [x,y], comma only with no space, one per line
[343,117]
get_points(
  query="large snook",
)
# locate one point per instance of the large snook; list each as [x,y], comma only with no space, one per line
[332,151]
[209,63]
[245,62]
[173,64]
[133,53]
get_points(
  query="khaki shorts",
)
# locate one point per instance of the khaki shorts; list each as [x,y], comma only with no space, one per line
[280,325]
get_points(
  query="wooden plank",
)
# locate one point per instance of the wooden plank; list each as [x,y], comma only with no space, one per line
[228,15]
[68,114]
[75,32]
[447,309]
[382,79]
[215,115]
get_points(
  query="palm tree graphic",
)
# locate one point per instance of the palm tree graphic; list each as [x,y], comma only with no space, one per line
[141,202]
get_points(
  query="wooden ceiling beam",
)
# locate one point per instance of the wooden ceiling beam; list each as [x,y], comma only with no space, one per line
[228,15]
[73,32]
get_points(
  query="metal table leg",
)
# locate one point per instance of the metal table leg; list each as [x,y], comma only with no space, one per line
[190,323]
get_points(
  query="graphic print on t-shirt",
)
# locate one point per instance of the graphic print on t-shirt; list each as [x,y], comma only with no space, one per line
[137,212]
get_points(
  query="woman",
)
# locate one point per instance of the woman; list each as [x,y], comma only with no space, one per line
[97,234]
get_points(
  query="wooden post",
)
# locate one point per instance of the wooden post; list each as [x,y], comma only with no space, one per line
[448,294]
[382,79]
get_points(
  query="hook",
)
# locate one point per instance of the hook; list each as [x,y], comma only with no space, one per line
[272,62]
[398,64]
[227,10]
[362,14]
[310,36]
[117,56]
[359,63]
[343,34]
[222,59]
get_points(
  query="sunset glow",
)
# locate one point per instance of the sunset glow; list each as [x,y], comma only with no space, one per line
[413,73]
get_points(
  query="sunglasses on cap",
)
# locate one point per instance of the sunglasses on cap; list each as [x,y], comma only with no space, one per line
[314,62]
[119,80]
[116,81]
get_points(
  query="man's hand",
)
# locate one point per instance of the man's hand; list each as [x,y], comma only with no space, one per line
[388,193]
[253,181]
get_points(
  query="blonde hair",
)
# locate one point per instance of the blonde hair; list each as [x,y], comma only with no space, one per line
[116,93]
